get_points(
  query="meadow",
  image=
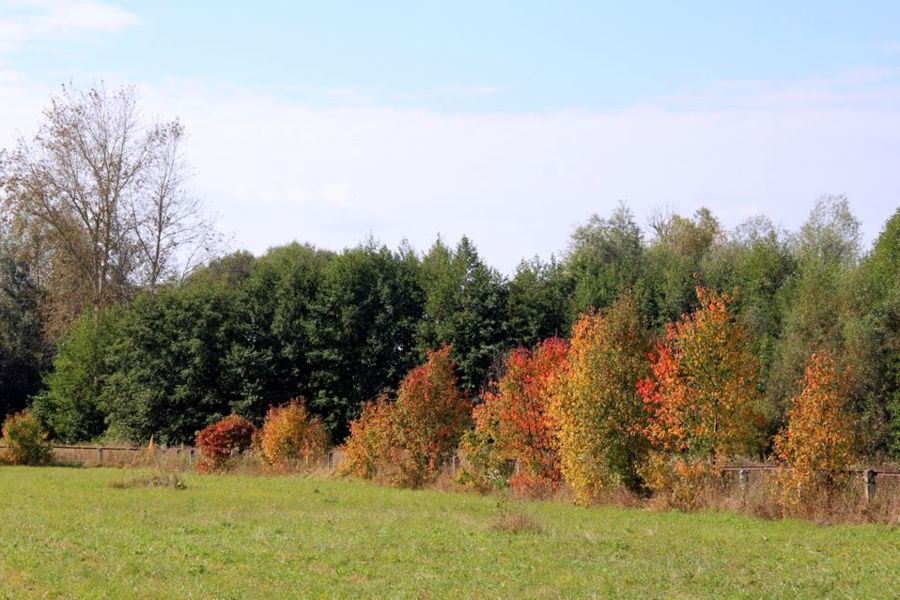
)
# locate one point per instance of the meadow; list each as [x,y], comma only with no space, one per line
[66,533]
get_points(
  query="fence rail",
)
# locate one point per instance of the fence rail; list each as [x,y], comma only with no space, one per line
[183,458]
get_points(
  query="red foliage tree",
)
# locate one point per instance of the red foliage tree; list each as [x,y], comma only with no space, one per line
[221,442]
[428,418]
[406,441]
[516,416]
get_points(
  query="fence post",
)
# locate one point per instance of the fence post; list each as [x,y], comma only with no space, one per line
[870,475]
[743,479]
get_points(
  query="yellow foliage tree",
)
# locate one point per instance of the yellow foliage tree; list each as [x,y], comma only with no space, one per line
[290,437]
[595,409]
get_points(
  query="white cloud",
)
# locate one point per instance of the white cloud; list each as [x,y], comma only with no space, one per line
[24,21]
[276,170]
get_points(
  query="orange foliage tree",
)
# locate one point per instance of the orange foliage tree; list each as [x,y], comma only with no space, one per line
[816,443]
[368,445]
[515,418]
[290,437]
[596,412]
[702,395]
[408,440]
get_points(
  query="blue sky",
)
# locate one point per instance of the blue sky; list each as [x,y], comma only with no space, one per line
[509,121]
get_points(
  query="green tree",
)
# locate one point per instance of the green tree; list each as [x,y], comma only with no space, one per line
[872,343]
[466,308]
[605,256]
[538,304]
[363,329]
[24,352]
[827,252]
[71,406]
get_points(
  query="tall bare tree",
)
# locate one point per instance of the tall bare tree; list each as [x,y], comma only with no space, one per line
[101,198]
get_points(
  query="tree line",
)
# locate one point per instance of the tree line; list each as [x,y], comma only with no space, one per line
[116,322]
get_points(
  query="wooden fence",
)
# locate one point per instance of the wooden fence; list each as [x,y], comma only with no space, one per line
[869,477]
[182,458]
[175,458]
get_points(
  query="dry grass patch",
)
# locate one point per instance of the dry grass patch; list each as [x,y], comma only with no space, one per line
[169,480]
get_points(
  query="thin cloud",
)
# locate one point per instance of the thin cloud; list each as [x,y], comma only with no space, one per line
[25,21]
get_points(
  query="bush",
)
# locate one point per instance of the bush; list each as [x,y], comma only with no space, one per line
[596,411]
[703,392]
[405,442]
[512,423]
[25,440]
[428,419]
[816,444]
[222,442]
[681,482]
[368,445]
[291,438]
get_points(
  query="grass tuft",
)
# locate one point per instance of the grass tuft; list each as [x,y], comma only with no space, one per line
[517,522]
[170,480]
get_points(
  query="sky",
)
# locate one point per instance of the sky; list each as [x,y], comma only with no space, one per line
[510,122]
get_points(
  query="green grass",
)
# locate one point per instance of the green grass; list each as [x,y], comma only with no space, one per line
[65,533]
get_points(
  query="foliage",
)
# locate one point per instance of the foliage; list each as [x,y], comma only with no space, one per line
[606,256]
[290,437]
[818,298]
[595,409]
[368,446]
[100,198]
[816,444]
[24,353]
[364,322]
[538,302]
[427,419]
[515,418]
[72,404]
[222,441]
[465,308]
[166,372]
[679,481]
[702,395]
[25,440]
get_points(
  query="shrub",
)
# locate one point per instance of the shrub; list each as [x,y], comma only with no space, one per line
[368,444]
[512,424]
[25,440]
[597,413]
[816,444]
[682,482]
[406,442]
[290,437]
[222,442]
[427,420]
[482,469]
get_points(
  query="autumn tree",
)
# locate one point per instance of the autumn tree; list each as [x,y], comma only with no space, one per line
[428,418]
[99,201]
[515,416]
[367,449]
[816,443]
[702,394]
[595,409]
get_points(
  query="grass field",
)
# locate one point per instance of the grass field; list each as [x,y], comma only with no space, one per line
[65,533]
